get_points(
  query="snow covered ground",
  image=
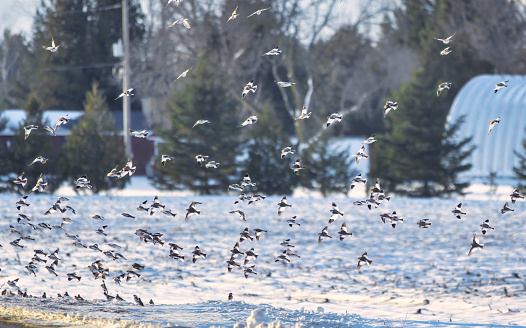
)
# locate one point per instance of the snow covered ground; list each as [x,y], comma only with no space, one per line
[418,278]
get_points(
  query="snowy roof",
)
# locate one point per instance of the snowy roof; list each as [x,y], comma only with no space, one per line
[15,117]
[479,104]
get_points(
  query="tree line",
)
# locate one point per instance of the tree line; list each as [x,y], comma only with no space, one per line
[352,66]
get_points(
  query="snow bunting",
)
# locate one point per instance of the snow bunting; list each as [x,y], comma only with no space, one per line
[241,214]
[357,179]
[360,154]
[446,51]
[212,165]
[248,88]
[304,115]
[199,122]
[283,204]
[343,231]
[183,74]
[251,120]
[475,245]
[442,86]
[53,48]
[334,117]
[20,180]
[323,234]
[258,12]
[126,93]
[165,158]
[296,167]
[390,105]
[273,52]
[40,159]
[364,260]
[185,23]
[458,211]
[28,129]
[492,124]
[139,134]
[62,120]
[424,223]
[515,195]
[446,40]
[485,226]
[369,140]
[506,209]
[287,150]
[233,16]
[50,129]
[285,84]
[335,213]
[201,159]
[500,85]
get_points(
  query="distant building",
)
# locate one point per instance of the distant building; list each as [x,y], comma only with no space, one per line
[142,149]
[479,104]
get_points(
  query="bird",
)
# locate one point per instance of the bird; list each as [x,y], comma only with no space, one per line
[230,296]
[249,270]
[369,140]
[360,154]
[475,245]
[39,159]
[251,120]
[485,226]
[335,213]
[97,217]
[156,204]
[176,1]
[343,231]
[292,221]
[201,159]
[199,122]
[258,232]
[73,275]
[137,300]
[183,74]
[364,260]
[282,257]
[139,134]
[500,85]
[12,283]
[129,168]
[286,243]
[185,23]
[284,84]
[333,118]
[20,180]
[165,158]
[232,263]
[53,48]
[248,88]
[283,204]
[304,114]
[323,234]
[125,93]
[241,214]
[446,40]
[296,167]
[446,51]
[62,120]
[233,16]
[40,186]
[258,12]
[273,52]
[126,215]
[515,195]
[506,209]
[390,105]
[245,235]
[357,179]
[212,164]
[28,129]
[492,124]
[458,211]
[235,250]
[424,223]
[197,253]
[287,150]
[168,213]
[442,86]
[21,202]
[82,182]
[191,210]
[50,129]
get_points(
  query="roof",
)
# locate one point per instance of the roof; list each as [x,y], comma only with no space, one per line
[15,117]
[478,102]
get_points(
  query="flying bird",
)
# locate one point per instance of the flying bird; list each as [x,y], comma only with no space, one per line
[233,16]
[273,52]
[364,260]
[139,134]
[458,211]
[183,74]
[485,226]
[258,12]
[442,86]
[357,179]
[304,114]
[296,167]
[62,120]
[369,140]
[250,87]
[39,159]
[424,223]
[283,204]
[241,214]
[500,85]
[287,150]
[506,209]
[201,159]
[343,231]
[28,129]
[446,51]
[475,245]
[251,120]
[515,195]
[164,159]
[20,180]
[191,210]
[285,84]
[360,154]
[185,23]
[199,122]
[335,213]
[53,48]
[446,40]
[323,234]
[333,118]
[126,93]
[390,105]
[492,124]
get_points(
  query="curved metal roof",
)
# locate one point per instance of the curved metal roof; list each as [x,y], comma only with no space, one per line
[479,104]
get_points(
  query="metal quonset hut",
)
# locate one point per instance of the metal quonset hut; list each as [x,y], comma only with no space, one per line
[478,103]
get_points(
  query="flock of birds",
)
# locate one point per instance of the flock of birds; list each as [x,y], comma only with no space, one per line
[97,268]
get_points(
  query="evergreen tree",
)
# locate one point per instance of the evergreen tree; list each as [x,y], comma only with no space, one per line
[85,31]
[94,147]
[204,95]
[417,151]
[327,170]
[264,164]
[520,170]
[39,143]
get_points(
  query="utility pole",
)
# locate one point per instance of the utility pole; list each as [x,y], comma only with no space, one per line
[126,79]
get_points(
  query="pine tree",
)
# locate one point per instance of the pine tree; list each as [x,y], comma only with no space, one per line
[264,164]
[39,143]
[416,155]
[204,95]
[85,31]
[94,147]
